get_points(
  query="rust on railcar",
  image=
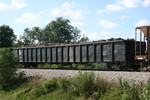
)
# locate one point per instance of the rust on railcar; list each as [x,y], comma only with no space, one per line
[146,31]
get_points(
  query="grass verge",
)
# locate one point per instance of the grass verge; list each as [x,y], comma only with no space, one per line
[85,86]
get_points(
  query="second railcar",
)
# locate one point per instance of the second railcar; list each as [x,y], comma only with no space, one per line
[94,52]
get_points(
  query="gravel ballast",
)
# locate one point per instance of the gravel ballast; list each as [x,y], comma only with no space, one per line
[112,76]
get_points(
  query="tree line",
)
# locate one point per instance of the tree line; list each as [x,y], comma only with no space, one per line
[57,31]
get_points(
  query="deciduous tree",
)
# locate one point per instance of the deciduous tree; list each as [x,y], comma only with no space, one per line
[61,31]
[7,36]
[8,69]
[84,39]
[57,31]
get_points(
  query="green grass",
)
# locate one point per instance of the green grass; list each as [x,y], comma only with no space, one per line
[74,66]
[83,87]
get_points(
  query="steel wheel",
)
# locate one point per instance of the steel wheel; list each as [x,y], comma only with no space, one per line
[144,65]
[124,66]
[109,66]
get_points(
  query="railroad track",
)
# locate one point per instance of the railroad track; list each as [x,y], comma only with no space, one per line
[130,70]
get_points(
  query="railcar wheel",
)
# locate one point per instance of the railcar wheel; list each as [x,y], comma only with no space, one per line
[136,67]
[144,65]
[109,66]
[124,66]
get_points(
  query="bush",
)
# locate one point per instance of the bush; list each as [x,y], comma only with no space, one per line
[55,66]
[8,69]
[50,85]
[80,66]
[146,92]
[47,87]
[65,83]
[101,84]
[123,91]
[83,84]
[44,66]
[74,66]
[37,92]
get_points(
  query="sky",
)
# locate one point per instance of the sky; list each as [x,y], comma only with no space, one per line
[97,19]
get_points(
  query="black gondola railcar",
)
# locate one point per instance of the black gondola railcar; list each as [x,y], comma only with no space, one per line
[111,52]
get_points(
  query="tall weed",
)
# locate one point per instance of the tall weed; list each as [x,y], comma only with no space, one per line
[101,85]
[146,92]
[123,91]
[83,84]
[46,87]
[65,83]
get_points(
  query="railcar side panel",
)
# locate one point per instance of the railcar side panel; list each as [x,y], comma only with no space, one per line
[43,54]
[25,55]
[38,55]
[71,54]
[48,54]
[34,52]
[59,54]
[119,52]
[84,53]
[98,53]
[91,52]
[107,54]
[29,54]
[65,54]
[20,55]
[77,53]
[16,52]
[54,55]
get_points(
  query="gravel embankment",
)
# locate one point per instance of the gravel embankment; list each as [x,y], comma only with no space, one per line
[136,77]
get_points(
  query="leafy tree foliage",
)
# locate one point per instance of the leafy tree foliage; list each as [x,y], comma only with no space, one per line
[58,31]
[31,36]
[8,69]
[61,31]
[7,36]
[18,43]
[28,36]
[84,39]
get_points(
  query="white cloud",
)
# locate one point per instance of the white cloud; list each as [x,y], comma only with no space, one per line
[143,22]
[132,33]
[78,24]
[3,6]
[29,18]
[76,14]
[66,9]
[56,12]
[119,5]
[100,11]
[98,36]
[18,4]
[105,33]
[15,4]
[146,3]
[93,36]
[112,7]
[67,5]
[130,3]
[124,17]
[108,24]
[134,3]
